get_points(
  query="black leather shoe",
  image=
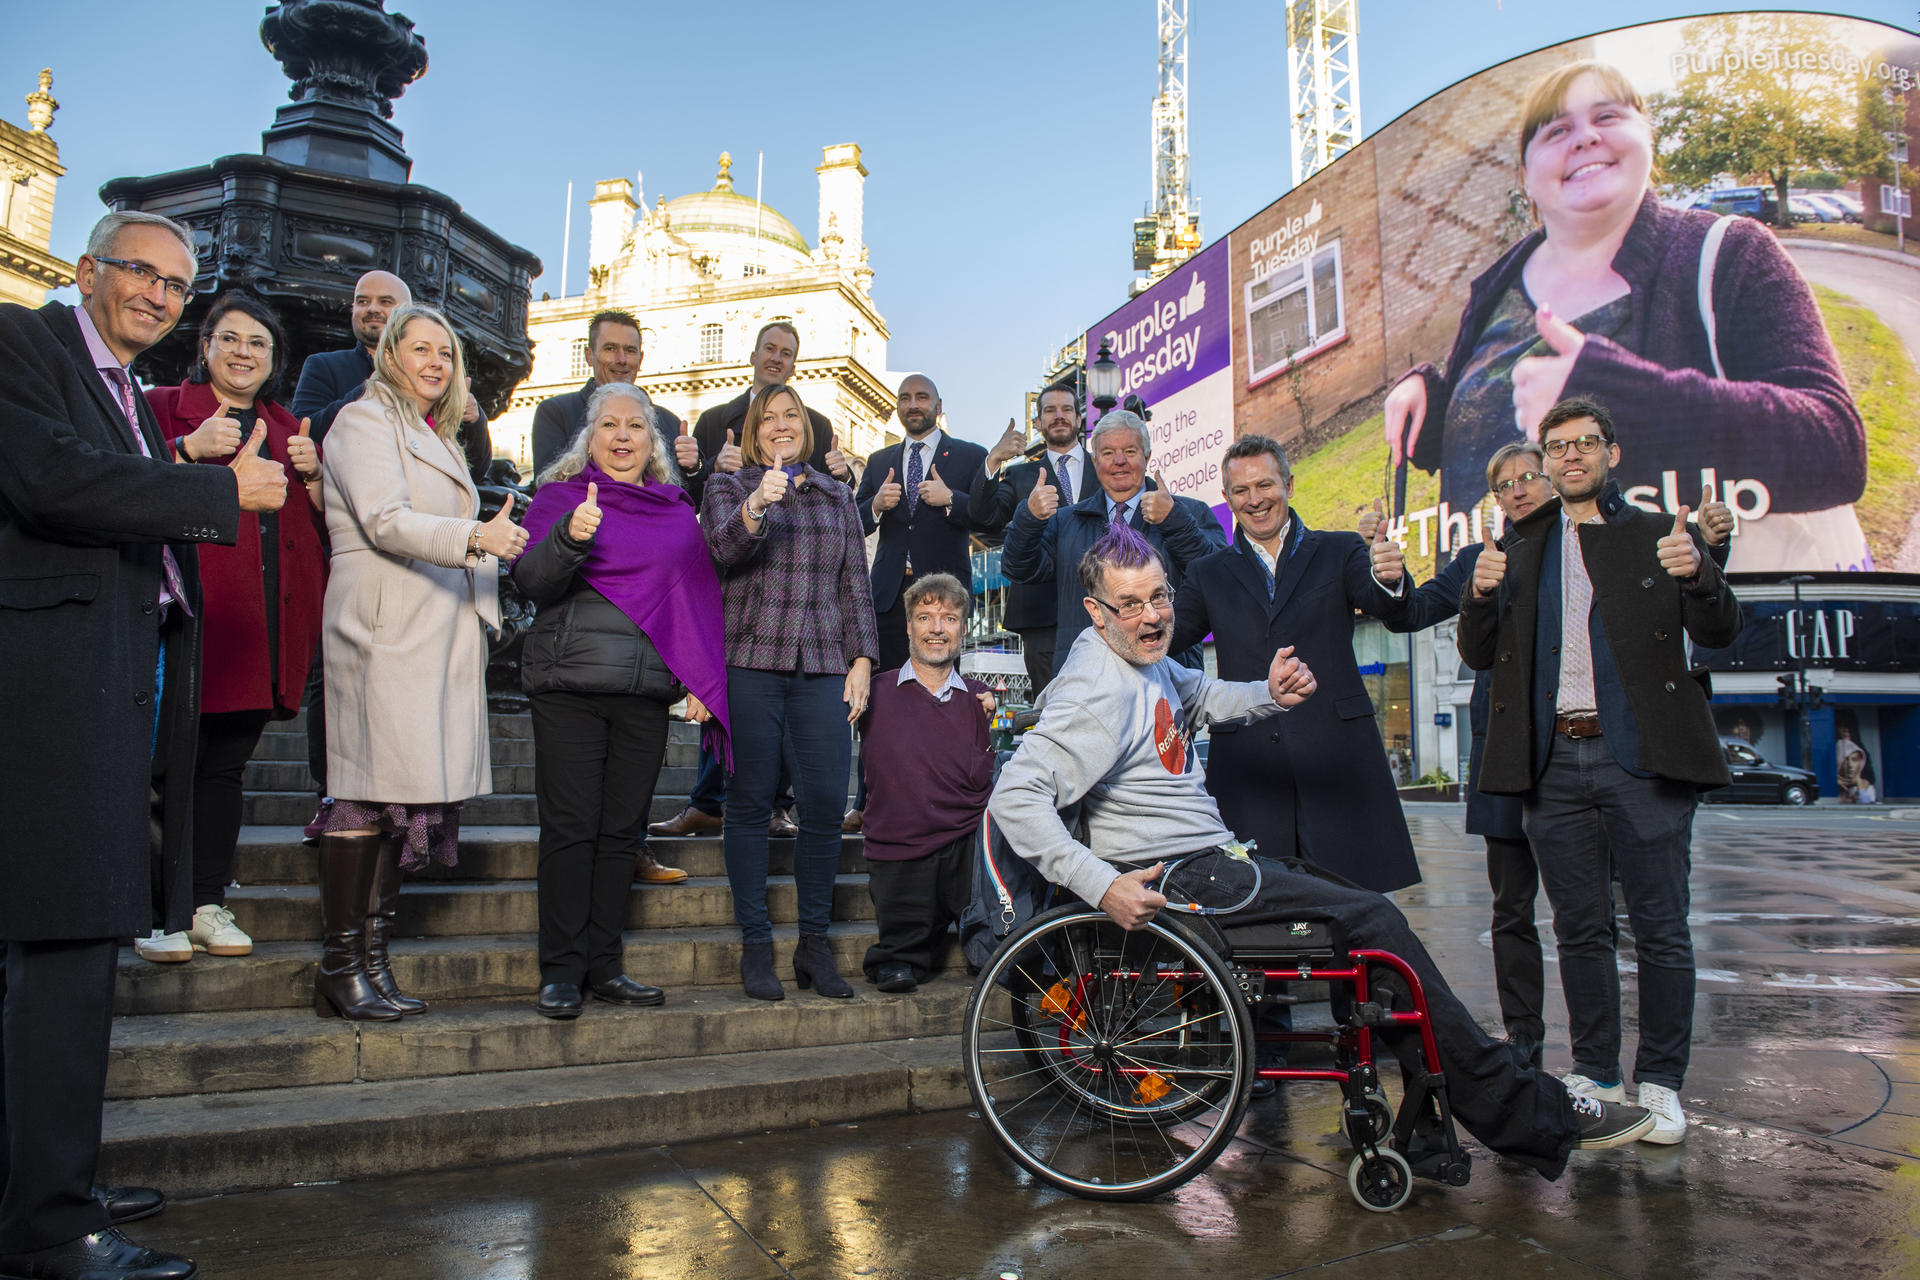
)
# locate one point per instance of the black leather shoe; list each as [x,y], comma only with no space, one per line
[104,1255]
[558,1000]
[896,978]
[620,989]
[129,1204]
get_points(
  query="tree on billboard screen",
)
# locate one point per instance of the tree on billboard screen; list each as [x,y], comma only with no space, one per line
[1766,103]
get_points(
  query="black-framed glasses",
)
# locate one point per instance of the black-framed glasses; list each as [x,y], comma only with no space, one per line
[1586,445]
[146,275]
[1526,477]
[1161,600]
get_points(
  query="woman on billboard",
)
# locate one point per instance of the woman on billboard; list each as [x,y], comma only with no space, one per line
[1696,331]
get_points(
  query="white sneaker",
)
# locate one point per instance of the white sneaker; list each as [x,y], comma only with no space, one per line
[1669,1121]
[164,948]
[214,932]
[1586,1087]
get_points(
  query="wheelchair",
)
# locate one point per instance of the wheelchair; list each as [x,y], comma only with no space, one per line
[1116,1065]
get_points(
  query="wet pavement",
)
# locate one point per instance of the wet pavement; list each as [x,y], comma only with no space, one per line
[1803,1157]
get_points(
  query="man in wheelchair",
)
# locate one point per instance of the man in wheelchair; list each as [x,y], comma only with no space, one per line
[1114,736]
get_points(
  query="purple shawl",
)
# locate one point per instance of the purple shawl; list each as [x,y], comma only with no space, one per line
[650,561]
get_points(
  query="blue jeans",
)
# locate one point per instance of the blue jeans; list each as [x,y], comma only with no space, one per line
[802,720]
[1589,821]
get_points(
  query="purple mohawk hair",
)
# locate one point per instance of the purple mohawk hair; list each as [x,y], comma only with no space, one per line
[1120,547]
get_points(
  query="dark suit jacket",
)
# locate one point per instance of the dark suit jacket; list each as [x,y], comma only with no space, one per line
[331,380]
[82,520]
[1653,713]
[934,541]
[1344,806]
[992,504]
[558,419]
[1050,550]
[711,433]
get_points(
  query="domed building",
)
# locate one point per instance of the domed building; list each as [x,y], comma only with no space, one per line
[703,273]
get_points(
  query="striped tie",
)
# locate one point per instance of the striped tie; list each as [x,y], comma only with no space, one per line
[1066,483]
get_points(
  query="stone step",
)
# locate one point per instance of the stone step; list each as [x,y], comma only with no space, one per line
[275,855]
[203,1144]
[281,1048]
[508,779]
[290,913]
[279,975]
[293,747]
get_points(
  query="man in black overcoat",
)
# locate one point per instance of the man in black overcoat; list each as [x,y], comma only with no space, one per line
[100,644]
[615,349]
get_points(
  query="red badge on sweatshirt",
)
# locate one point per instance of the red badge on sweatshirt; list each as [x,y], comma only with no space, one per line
[1167,740]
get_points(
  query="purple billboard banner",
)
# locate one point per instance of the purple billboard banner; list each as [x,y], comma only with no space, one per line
[1176,333]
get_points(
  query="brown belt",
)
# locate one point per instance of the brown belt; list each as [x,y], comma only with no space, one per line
[1581,726]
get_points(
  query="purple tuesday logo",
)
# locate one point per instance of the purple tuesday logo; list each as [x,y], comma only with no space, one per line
[1174,334]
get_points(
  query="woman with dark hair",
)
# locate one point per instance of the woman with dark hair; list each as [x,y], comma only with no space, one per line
[1697,332]
[629,618]
[261,596]
[800,643]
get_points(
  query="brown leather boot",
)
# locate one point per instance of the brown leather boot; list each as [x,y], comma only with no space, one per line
[688,822]
[382,906]
[342,988]
[647,870]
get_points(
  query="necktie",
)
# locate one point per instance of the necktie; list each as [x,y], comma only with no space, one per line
[1066,482]
[123,385]
[1576,642]
[1120,510]
[914,476]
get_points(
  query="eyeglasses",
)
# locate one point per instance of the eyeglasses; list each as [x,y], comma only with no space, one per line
[1161,600]
[1584,444]
[235,344]
[146,275]
[1527,477]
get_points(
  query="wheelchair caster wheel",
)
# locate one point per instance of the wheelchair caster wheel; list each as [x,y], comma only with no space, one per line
[1380,1113]
[1458,1173]
[1381,1183]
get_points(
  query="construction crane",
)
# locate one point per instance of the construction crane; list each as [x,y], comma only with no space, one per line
[1323,81]
[1170,232]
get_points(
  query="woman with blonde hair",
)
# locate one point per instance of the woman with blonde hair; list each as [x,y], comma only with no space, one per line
[414,582]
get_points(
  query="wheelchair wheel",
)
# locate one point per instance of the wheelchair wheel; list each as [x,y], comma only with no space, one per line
[1381,1183]
[1124,1066]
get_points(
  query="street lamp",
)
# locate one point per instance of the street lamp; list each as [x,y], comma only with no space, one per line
[1103,380]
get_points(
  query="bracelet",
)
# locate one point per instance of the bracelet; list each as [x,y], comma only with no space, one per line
[473,539]
[761,514]
[180,447]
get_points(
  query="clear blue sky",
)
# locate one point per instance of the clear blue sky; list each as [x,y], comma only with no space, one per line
[1008,142]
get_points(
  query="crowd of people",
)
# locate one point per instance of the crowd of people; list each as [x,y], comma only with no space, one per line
[184,566]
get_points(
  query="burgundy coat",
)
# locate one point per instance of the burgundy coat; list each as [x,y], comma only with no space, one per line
[234,652]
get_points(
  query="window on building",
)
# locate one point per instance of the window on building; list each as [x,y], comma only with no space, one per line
[581,365]
[1294,312]
[753,269]
[1896,202]
[710,344]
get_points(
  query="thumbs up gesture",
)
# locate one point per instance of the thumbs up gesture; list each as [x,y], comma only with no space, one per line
[773,488]
[1540,381]
[1490,570]
[934,491]
[586,516]
[217,437]
[838,467]
[686,450]
[1045,498]
[1389,560]
[262,481]
[1678,556]
[1010,445]
[303,453]
[728,459]
[1716,518]
[1370,521]
[889,494]
[500,536]
[1156,504]
[1131,901]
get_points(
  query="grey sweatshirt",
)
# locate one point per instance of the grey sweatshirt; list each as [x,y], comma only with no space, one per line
[1110,735]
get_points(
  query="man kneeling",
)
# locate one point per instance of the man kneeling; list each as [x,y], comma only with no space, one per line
[1114,735]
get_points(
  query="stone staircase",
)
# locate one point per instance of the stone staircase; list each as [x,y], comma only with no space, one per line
[223,1079]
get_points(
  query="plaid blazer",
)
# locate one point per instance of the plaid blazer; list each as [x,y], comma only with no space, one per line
[796,597]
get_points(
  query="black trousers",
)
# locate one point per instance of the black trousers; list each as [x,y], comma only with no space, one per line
[1518,971]
[1036,646]
[227,740]
[914,903]
[1499,1098]
[316,703]
[56,1018]
[596,759]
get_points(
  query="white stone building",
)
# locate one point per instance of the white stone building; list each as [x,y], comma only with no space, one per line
[30,168]
[703,273]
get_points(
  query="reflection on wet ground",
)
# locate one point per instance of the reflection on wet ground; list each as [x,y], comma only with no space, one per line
[1804,1156]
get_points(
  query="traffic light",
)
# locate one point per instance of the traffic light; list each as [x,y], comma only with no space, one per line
[1815,695]
[1788,694]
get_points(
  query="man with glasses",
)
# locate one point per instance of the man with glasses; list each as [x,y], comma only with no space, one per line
[100,639]
[1582,615]
[615,349]
[1048,537]
[1115,737]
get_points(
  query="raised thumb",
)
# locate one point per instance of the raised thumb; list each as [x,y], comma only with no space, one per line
[1558,334]
[1680,521]
[252,445]
[1160,481]
[1706,495]
[1377,508]
[889,479]
[306,427]
[1488,542]
[505,512]
[730,439]
[933,473]
[593,494]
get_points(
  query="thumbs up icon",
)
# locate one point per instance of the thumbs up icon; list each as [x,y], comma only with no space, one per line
[1196,297]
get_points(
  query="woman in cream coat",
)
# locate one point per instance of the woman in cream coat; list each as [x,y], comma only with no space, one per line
[413,577]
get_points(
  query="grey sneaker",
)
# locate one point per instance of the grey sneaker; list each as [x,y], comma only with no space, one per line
[1587,1087]
[1609,1124]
